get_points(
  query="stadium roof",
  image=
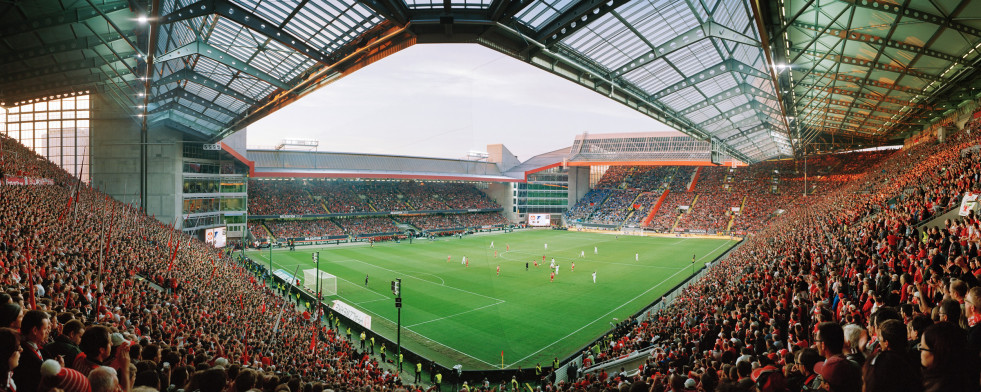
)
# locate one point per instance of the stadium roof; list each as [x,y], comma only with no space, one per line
[307,164]
[761,78]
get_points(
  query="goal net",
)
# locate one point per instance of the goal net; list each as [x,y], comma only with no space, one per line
[328,282]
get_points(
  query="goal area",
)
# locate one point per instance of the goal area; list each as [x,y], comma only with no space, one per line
[328,282]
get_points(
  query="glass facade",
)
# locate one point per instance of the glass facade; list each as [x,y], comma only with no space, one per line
[546,192]
[56,129]
[214,190]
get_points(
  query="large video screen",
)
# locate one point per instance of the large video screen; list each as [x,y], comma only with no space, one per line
[539,219]
[215,237]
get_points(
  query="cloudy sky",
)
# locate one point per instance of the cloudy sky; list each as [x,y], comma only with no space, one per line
[445,100]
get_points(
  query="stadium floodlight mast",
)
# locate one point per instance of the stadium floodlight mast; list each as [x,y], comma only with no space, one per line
[397,290]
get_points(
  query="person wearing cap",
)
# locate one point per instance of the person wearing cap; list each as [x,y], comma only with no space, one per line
[53,375]
[841,374]
[34,329]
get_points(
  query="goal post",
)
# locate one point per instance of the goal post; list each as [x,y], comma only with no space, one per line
[328,282]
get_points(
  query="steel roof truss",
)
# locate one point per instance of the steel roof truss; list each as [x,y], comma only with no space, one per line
[876,65]
[740,89]
[880,42]
[236,13]
[180,93]
[48,49]
[690,37]
[891,8]
[68,66]
[194,77]
[202,48]
[729,65]
[70,16]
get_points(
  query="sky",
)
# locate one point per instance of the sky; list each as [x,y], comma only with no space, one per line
[444,100]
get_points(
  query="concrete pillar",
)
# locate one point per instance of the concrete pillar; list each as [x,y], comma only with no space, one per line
[503,193]
[578,183]
[116,160]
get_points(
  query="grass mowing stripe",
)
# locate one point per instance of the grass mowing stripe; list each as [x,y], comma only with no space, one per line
[461,306]
[614,309]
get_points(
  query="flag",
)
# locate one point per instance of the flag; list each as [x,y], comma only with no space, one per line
[30,282]
[173,255]
[313,339]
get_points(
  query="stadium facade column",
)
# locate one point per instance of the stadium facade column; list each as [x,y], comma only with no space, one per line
[578,183]
[115,157]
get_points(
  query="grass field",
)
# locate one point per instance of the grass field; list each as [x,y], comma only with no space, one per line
[457,314]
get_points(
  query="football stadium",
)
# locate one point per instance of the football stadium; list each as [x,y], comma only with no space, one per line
[799,212]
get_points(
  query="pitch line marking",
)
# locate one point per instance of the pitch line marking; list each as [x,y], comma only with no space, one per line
[426,281]
[614,309]
[454,315]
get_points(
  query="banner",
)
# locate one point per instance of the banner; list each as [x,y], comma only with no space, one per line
[351,313]
[969,203]
[28,181]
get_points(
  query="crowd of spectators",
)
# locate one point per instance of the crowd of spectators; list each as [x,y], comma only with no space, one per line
[616,207]
[645,202]
[124,303]
[668,213]
[303,228]
[342,197]
[367,225]
[20,161]
[432,222]
[841,293]
[281,197]
[587,204]
[257,230]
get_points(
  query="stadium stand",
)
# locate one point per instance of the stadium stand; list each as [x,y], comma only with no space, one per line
[281,198]
[852,256]
[303,228]
[367,225]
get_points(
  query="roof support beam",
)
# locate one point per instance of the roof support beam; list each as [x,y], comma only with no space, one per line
[741,89]
[861,95]
[70,16]
[203,49]
[870,82]
[747,132]
[194,77]
[181,94]
[394,10]
[89,63]
[726,66]
[697,33]
[868,63]
[48,49]
[114,27]
[236,13]
[880,42]
[891,8]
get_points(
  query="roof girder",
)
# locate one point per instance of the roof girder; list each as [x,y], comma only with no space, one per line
[87,63]
[740,89]
[202,48]
[867,63]
[196,78]
[70,16]
[887,7]
[881,42]
[236,13]
[68,45]
[727,65]
[180,93]
[870,82]
[857,94]
[704,31]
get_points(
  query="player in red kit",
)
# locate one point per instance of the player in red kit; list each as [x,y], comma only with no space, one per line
[498,270]
[551,276]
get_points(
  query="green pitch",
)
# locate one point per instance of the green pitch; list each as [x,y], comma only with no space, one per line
[455,313]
